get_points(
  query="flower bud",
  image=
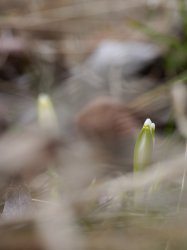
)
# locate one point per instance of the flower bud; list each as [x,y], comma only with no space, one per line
[144,146]
[46,113]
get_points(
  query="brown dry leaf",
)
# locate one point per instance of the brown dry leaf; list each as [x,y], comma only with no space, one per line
[106,117]
[111,127]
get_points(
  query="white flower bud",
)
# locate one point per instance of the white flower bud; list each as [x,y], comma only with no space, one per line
[144,146]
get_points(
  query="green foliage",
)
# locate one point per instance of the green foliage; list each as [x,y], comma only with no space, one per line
[175,59]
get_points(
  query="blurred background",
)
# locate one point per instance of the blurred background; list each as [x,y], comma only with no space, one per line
[78,78]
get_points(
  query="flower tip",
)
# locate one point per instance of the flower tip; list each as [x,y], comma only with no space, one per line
[46,113]
[148,122]
[153,126]
[43,100]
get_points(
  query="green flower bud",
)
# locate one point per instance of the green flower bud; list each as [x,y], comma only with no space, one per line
[144,146]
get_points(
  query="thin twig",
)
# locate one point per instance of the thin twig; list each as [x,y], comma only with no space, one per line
[182,183]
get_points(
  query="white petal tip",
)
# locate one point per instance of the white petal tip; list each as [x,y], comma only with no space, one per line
[153,126]
[147,122]
[43,97]
[44,100]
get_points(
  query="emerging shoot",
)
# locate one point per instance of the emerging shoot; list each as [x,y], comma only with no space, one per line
[144,146]
[46,113]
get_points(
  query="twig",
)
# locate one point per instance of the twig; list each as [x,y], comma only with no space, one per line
[182,183]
